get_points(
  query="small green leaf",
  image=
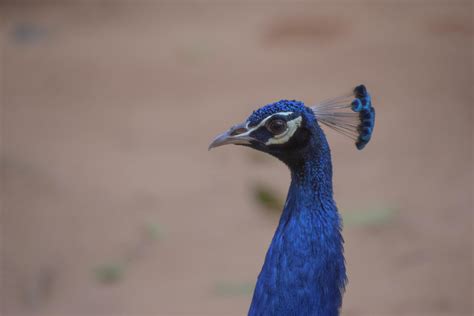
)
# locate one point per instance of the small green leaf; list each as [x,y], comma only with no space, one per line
[109,273]
[268,198]
[153,231]
[376,216]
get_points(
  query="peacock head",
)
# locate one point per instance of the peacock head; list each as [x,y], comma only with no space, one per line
[287,129]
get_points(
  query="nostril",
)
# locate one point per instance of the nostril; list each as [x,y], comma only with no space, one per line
[238,131]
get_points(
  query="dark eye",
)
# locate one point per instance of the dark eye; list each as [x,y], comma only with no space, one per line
[276,126]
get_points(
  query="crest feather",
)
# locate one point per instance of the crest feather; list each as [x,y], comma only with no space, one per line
[351,115]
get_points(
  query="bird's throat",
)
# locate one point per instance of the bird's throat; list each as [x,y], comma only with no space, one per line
[304,271]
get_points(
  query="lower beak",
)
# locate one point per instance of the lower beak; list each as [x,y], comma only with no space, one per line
[238,135]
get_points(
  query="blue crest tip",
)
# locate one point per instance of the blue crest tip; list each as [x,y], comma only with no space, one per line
[363,105]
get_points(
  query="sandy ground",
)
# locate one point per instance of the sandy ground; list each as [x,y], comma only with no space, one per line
[107,111]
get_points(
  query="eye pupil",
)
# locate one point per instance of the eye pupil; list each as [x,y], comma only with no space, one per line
[277,126]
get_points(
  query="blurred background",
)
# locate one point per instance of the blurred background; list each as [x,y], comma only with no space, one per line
[112,204]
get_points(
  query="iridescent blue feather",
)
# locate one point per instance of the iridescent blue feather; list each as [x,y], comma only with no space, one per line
[351,115]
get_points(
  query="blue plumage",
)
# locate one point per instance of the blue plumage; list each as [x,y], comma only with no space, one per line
[351,115]
[363,105]
[280,106]
[304,271]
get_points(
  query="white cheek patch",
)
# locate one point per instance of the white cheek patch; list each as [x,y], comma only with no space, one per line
[285,136]
[250,130]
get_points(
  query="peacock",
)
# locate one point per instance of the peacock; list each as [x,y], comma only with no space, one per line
[304,270]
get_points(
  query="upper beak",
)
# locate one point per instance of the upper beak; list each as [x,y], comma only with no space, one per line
[238,134]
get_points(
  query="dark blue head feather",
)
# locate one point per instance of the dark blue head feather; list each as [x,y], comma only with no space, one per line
[272,108]
[363,104]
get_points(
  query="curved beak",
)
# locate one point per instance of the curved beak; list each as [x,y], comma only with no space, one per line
[238,134]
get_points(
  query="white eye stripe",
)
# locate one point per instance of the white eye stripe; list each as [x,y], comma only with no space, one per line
[280,138]
[284,137]
[262,122]
[269,117]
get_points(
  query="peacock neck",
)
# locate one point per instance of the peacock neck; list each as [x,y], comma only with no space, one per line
[312,177]
[304,271]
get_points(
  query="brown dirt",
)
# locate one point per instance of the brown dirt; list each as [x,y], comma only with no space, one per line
[107,111]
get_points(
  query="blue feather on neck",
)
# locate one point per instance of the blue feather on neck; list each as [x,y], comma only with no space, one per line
[304,271]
